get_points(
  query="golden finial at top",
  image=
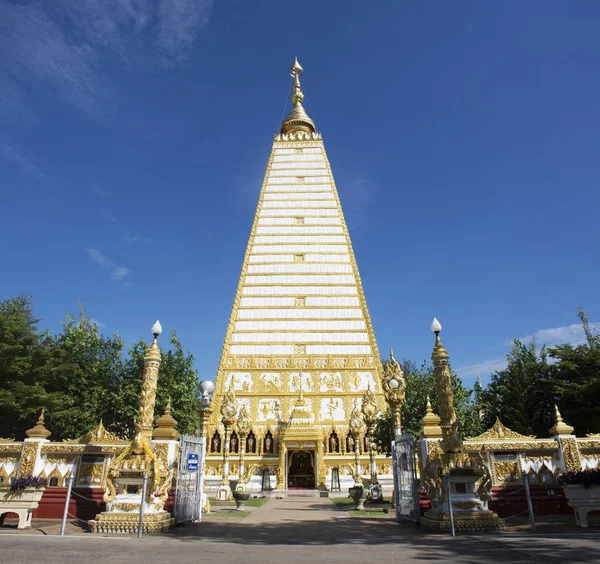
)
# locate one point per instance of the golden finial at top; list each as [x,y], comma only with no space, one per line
[298,119]
[39,431]
[560,427]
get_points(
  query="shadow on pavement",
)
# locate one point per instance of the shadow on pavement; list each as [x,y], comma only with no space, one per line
[569,547]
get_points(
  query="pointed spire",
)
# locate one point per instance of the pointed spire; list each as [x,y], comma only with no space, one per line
[431,423]
[560,427]
[297,119]
[39,431]
[165,426]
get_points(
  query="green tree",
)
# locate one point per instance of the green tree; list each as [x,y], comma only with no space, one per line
[81,376]
[520,394]
[24,354]
[82,366]
[575,380]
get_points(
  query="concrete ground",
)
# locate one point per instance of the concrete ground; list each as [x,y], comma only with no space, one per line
[302,530]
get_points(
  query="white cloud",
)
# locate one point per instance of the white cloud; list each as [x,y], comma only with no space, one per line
[63,48]
[117,273]
[483,369]
[567,334]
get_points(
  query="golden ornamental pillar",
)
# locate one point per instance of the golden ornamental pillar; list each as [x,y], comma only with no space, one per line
[369,411]
[152,358]
[356,428]
[443,383]
[228,415]
[281,470]
[394,389]
[243,426]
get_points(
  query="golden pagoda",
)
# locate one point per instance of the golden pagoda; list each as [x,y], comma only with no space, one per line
[299,327]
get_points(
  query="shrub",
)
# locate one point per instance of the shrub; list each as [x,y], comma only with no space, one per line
[28,482]
[587,478]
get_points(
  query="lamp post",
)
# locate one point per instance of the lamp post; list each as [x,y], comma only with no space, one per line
[369,412]
[228,412]
[145,417]
[243,426]
[394,390]
[443,381]
[356,426]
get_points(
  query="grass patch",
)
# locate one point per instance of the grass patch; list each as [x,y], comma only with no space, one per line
[225,515]
[256,502]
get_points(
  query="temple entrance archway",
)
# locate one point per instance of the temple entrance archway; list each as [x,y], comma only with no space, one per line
[301,469]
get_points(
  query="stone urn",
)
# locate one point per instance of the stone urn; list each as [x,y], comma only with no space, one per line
[241,497]
[359,496]
[21,502]
[583,500]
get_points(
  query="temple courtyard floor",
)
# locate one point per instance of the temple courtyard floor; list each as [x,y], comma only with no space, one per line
[302,530]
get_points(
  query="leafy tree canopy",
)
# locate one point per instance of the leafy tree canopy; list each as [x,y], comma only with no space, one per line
[81,376]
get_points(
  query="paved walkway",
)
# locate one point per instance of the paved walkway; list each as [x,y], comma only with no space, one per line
[294,509]
[297,531]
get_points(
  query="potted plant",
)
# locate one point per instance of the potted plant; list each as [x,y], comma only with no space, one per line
[582,489]
[359,496]
[22,498]
[241,496]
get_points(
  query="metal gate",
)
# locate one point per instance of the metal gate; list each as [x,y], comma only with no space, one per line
[406,486]
[190,475]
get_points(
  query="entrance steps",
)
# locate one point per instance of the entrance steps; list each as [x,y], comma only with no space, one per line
[297,492]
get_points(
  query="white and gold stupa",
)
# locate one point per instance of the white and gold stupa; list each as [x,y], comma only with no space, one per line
[299,351]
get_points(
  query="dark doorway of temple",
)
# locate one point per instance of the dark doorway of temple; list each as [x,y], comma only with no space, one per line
[301,469]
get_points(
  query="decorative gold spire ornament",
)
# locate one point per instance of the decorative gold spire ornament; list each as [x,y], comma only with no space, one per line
[165,426]
[431,423]
[39,431]
[298,119]
[560,427]
[443,381]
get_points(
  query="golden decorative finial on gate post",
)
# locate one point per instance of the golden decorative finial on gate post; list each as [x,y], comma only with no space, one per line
[149,381]
[39,431]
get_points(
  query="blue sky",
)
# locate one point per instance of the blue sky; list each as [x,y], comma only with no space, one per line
[463,136]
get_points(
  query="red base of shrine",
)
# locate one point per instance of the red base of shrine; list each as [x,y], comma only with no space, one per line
[52,503]
[511,500]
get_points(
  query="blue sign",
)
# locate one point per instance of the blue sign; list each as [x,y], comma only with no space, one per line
[192,462]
